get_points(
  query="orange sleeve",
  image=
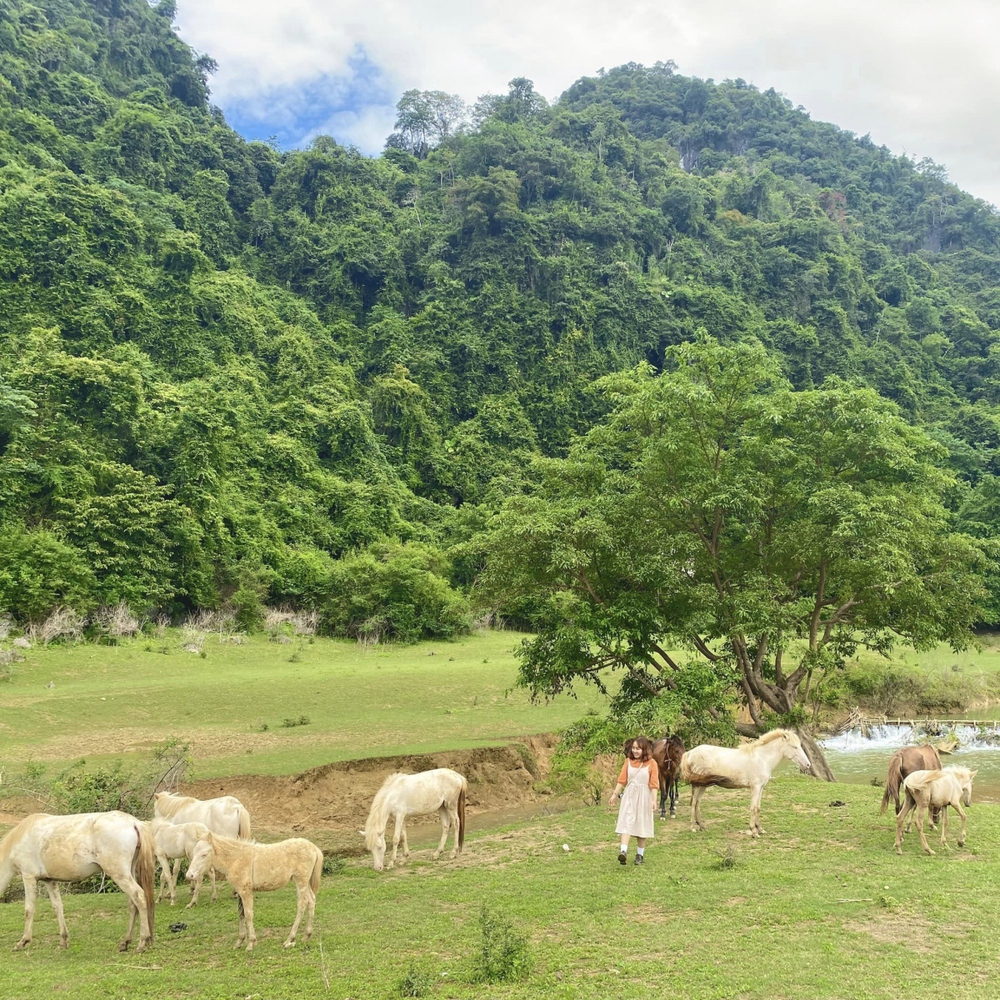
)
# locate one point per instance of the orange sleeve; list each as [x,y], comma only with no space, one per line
[623,777]
[654,775]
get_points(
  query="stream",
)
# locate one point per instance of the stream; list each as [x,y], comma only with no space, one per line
[856,758]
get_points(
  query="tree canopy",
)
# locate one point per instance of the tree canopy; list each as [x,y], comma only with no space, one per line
[719,513]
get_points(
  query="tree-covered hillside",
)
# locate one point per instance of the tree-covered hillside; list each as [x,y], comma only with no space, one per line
[310,377]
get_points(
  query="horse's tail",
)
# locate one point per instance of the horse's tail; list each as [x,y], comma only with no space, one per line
[892,780]
[243,832]
[317,872]
[144,870]
[461,815]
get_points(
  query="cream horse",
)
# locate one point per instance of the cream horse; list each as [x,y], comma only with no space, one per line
[54,849]
[173,841]
[747,766]
[225,815]
[253,867]
[441,790]
[950,786]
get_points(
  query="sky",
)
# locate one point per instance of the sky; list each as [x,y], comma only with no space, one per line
[921,77]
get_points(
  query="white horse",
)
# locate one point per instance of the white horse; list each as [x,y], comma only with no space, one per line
[949,786]
[441,790]
[226,816]
[173,841]
[262,867]
[54,849]
[747,766]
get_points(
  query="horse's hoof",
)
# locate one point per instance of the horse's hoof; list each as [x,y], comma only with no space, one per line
[21,945]
[928,851]
[123,946]
[289,944]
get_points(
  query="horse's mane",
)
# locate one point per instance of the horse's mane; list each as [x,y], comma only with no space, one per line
[378,815]
[774,734]
[168,804]
[16,835]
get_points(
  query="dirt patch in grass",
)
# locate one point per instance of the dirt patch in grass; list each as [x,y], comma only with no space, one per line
[917,933]
[336,797]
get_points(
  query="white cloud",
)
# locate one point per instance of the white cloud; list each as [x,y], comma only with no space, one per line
[919,76]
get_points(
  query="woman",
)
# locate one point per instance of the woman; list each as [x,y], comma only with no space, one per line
[640,779]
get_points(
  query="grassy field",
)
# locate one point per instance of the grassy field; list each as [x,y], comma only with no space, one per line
[821,907]
[99,702]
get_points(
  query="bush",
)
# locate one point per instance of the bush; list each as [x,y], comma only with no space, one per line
[504,953]
[394,592]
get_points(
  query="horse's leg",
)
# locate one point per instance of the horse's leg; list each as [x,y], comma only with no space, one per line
[165,882]
[900,819]
[57,906]
[397,833]
[944,824]
[241,911]
[675,793]
[137,904]
[445,825]
[30,895]
[195,886]
[755,795]
[697,791]
[301,888]
[961,812]
[663,795]
[453,821]
[248,914]
[921,811]
[215,894]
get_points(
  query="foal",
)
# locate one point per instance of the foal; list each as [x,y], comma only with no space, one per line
[251,866]
[950,786]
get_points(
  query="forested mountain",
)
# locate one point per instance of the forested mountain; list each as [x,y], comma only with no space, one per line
[309,377]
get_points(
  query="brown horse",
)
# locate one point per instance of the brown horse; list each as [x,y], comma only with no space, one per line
[667,753]
[905,761]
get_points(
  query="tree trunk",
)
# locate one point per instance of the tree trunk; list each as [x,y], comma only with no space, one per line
[820,768]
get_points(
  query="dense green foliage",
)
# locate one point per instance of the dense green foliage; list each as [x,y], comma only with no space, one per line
[227,370]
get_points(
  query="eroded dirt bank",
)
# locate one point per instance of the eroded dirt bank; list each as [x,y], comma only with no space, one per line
[331,802]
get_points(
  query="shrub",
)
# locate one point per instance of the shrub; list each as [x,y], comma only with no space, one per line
[504,953]
[395,592]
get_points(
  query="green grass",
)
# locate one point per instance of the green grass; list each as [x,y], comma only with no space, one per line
[821,907]
[101,702]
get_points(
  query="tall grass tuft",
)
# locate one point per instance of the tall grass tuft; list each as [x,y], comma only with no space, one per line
[504,952]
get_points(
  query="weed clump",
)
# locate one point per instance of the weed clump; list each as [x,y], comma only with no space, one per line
[504,953]
[415,983]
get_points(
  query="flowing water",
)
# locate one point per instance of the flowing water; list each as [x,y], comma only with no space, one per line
[857,758]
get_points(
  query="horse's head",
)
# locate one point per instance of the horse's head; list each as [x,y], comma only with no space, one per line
[966,781]
[201,856]
[376,844]
[792,750]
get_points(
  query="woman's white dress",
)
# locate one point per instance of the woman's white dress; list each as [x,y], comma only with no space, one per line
[635,814]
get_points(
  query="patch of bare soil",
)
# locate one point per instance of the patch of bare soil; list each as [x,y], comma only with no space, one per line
[334,799]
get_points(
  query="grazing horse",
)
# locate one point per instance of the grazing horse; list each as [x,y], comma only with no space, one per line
[949,786]
[441,790]
[174,841]
[250,866]
[747,766]
[668,753]
[226,816]
[905,761]
[54,849]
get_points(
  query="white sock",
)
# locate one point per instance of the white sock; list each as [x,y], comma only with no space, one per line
[640,851]
[623,849]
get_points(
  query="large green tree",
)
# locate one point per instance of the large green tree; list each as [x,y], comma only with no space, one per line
[717,513]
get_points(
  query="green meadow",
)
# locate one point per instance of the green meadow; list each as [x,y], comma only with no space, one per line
[242,707]
[820,907]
